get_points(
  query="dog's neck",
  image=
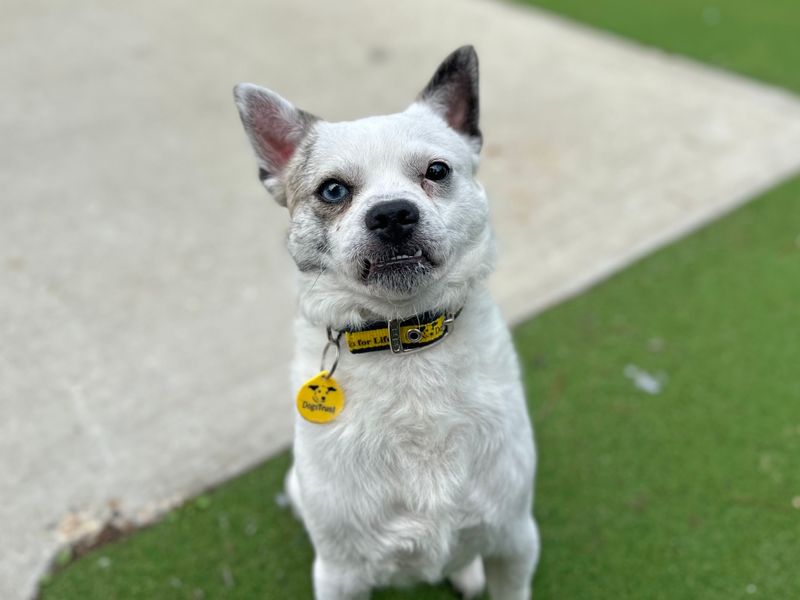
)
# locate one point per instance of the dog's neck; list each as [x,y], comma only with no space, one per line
[340,309]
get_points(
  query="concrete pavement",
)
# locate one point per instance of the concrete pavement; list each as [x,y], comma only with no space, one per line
[143,269]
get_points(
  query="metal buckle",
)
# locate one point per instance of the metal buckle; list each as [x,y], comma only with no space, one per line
[396,342]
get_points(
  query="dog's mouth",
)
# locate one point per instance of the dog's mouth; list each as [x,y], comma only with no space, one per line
[396,264]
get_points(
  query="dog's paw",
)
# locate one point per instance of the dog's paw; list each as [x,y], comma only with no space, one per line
[470,581]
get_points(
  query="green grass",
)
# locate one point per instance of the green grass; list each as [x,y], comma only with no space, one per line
[759,38]
[687,493]
[684,494]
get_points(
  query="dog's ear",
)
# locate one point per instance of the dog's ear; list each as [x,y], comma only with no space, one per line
[275,128]
[452,93]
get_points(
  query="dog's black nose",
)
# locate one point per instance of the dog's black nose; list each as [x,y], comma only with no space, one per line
[392,221]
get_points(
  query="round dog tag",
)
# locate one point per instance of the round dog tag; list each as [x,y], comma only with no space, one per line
[320,399]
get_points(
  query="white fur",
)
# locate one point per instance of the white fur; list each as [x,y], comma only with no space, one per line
[458,227]
[428,471]
[471,580]
[430,464]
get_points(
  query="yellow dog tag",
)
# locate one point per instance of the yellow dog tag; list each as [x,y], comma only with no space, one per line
[320,399]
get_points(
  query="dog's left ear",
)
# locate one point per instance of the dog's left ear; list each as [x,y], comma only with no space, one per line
[452,93]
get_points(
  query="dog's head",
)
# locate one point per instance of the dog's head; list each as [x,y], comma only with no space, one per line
[386,215]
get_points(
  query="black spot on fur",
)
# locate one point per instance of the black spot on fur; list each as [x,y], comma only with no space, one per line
[308,266]
[322,242]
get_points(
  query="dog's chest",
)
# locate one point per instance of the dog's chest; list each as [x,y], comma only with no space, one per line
[402,462]
[409,428]
[415,418]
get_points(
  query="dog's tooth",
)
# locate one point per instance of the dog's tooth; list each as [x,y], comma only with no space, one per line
[418,253]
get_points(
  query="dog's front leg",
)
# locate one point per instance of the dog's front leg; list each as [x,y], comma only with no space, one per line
[336,581]
[510,568]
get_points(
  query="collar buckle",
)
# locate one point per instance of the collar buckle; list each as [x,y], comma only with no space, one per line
[396,340]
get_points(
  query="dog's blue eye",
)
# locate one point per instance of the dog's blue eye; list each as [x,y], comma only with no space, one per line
[437,171]
[333,191]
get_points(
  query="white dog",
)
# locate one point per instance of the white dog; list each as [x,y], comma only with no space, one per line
[414,460]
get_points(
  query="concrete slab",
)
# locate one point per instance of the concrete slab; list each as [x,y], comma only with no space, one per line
[143,270]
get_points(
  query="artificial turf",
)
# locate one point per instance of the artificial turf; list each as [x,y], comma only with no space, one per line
[691,492]
[759,38]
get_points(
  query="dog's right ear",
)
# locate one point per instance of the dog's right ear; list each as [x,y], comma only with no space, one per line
[275,128]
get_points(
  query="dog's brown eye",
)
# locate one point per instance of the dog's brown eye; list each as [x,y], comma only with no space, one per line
[333,191]
[437,171]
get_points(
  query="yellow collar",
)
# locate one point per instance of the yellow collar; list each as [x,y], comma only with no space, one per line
[401,336]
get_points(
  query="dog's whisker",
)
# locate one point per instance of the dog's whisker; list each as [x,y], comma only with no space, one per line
[316,279]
